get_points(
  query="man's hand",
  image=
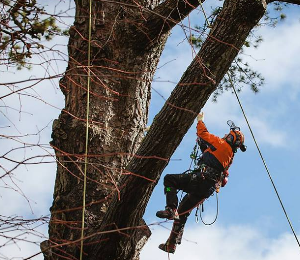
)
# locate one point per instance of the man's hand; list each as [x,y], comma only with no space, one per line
[200,116]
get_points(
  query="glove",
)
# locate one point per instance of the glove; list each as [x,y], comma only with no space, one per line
[224,181]
[226,173]
[200,116]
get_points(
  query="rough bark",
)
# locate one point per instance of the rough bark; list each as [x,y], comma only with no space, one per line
[170,125]
[120,177]
[121,76]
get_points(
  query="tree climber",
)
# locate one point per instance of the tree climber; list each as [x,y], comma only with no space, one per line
[210,174]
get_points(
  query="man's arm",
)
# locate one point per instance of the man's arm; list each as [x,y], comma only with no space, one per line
[206,137]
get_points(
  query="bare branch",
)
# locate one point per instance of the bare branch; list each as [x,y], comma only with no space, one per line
[296,2]
[165,16]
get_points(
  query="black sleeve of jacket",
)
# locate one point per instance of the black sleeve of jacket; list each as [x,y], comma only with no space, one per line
[203,145]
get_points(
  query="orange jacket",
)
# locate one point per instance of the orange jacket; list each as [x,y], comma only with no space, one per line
[217,146]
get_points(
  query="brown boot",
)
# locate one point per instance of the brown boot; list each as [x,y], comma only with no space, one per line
[168,213]
[168,247]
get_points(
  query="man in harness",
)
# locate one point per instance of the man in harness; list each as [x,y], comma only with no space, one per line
[209,176]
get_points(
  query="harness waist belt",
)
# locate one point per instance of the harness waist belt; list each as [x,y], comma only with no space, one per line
[211,173]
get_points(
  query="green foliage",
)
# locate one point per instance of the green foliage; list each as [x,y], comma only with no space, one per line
[275,15]
[23,25]
[199,37]
[240,72]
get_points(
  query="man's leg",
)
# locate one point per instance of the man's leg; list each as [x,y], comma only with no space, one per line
[172,183]
[186,205]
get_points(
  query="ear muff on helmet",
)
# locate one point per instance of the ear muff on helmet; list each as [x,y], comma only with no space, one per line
[236,139]
[239,138]
[243,148]
[230,138]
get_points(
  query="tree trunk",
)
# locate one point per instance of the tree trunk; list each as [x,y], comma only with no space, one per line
[122,69]
[171,124]
[126,46]
[119,98]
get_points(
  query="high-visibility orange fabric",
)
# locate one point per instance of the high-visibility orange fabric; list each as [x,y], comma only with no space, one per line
[218,147]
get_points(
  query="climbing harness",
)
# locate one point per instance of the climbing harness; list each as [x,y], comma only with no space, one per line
[205,172]
[200,170]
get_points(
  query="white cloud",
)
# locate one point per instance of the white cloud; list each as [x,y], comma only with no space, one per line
[268,135]
[223,243]
[32,182]
[276,61]
[22,246]
[173,63]
[279,65]
[263,121]
[276,57]
[27,191]
[199,242]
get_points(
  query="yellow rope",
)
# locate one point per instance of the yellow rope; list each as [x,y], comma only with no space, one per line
[203,11]
[87,129]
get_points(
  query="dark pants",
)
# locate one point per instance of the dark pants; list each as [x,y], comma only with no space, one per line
[197,190]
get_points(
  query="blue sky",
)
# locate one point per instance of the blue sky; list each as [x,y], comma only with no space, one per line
[250,224]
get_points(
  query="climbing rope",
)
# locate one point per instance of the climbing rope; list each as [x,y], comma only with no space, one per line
[258,149]
[87,135]
[263,160]
[193,156]
[87,129]
[202,210]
